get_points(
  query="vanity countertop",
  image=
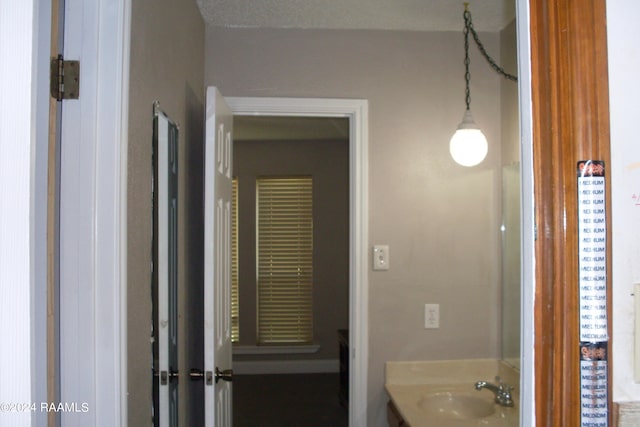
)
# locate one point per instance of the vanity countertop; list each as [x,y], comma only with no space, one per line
[442,393]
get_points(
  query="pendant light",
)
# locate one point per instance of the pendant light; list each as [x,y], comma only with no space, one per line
[468,145]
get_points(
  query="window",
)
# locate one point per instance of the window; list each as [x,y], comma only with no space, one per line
[235,303]
[284,260]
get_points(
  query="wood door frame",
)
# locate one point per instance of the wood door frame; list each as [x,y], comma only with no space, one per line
[570,118]
[357,113]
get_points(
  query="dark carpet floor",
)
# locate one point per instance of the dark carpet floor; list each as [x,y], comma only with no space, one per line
[291,400]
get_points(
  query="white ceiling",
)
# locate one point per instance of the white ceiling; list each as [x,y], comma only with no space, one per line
[412,15]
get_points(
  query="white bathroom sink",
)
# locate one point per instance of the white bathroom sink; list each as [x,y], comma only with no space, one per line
[456,406]
[442,393]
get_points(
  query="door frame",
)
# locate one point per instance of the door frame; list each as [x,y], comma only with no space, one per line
[528,278]
[101,336]
[570,122]
[93,213]
[357,112]
[25,43]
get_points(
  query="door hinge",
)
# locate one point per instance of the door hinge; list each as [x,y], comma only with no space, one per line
[65,78]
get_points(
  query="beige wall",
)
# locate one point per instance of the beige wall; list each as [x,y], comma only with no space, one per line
[167,62]
[328,163]
[510,108]
[440,220]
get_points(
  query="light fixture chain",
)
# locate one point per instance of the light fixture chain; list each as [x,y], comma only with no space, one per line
[492,63]
[467,61]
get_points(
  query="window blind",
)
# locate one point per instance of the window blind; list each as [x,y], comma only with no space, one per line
[285,259]
[235,302]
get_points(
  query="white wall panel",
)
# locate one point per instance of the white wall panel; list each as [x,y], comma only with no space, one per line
[624,172]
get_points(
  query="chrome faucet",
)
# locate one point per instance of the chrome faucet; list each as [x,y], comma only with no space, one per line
[501,391]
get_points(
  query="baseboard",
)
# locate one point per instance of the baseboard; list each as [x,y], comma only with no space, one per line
[258,367]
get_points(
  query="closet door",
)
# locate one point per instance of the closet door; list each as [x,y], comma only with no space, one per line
[217,259]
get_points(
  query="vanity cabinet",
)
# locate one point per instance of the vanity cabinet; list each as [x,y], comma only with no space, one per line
[393,416]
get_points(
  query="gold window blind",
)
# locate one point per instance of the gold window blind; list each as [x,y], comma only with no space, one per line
[285,259]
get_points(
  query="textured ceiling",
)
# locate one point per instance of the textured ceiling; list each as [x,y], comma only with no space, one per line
[412,15]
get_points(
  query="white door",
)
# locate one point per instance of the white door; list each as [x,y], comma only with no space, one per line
[217,261]
[166,266]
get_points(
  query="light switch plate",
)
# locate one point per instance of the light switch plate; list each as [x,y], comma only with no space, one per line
[381,257]
[431,316]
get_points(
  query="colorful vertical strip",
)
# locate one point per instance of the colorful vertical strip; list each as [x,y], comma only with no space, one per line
[592,265]
[594,385]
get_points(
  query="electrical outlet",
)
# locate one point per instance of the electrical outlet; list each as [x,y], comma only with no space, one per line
[431,316]
[381,257]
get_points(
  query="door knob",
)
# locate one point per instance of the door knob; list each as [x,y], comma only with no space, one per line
[226,375]
[198,374]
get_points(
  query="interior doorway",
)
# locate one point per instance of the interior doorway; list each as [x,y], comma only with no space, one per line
[291,296]
[355,112]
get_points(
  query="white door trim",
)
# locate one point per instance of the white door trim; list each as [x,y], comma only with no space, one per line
[93,216]
[25,34]
[357,112]
[527,373]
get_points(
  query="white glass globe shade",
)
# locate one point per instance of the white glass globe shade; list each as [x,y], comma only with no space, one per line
[468,145]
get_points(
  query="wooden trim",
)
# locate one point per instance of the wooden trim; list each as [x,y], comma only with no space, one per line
[570,123]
